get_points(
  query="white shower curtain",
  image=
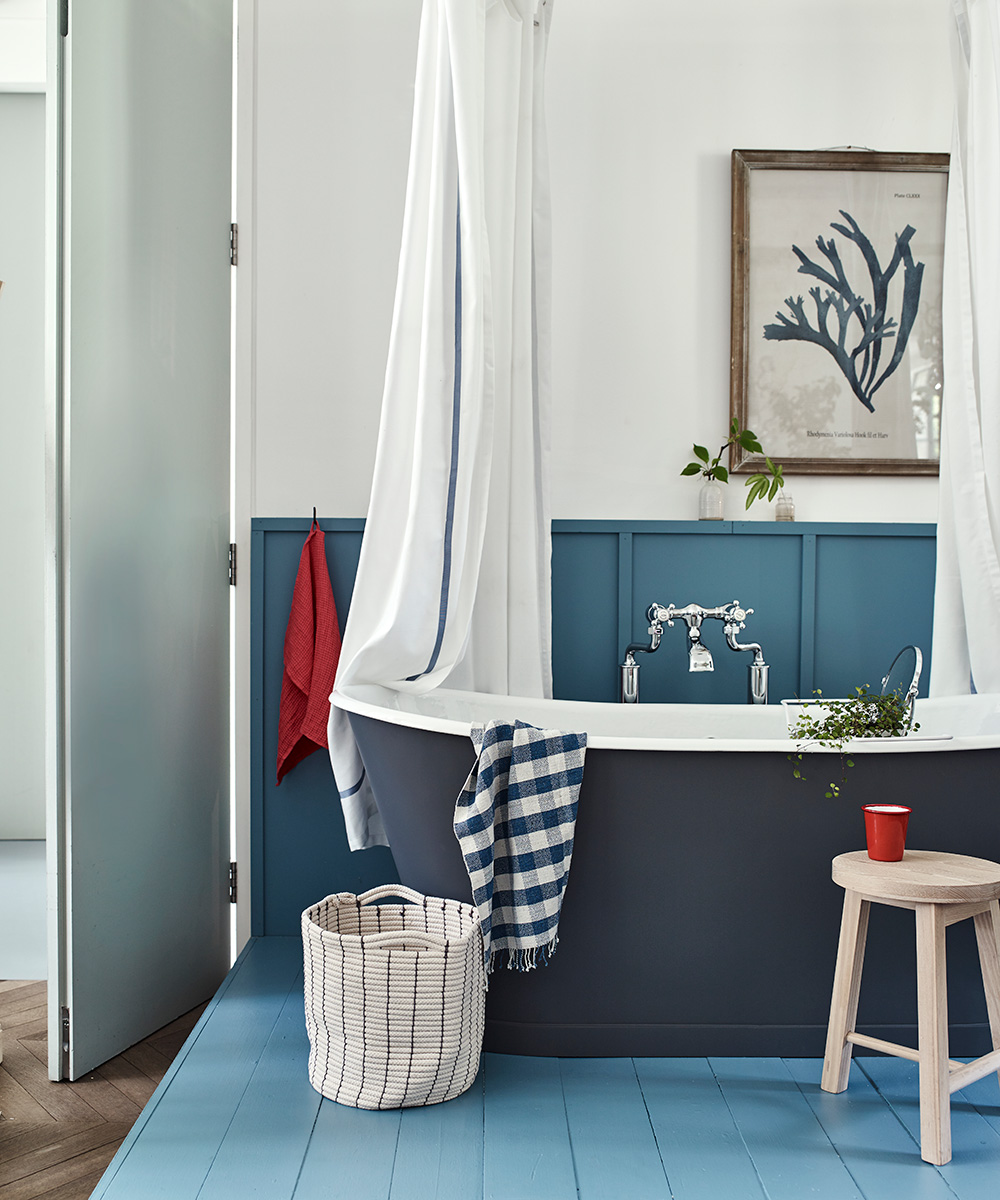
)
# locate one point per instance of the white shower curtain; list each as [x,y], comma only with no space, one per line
[966,641]
[453,584]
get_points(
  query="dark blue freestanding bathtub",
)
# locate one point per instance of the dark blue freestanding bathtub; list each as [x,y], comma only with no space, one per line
[700,917]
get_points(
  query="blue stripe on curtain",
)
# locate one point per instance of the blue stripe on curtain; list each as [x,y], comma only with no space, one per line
[357,787]
[456,409]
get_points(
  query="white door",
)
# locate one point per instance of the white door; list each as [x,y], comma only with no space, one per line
[140,141]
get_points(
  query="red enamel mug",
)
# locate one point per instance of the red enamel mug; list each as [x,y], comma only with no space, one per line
[885,830]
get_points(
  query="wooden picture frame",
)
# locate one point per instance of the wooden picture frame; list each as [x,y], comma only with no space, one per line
[836,309]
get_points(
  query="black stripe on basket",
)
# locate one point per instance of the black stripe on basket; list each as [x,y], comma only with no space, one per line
[343,1015]
[440,1056]
[444,987]
[388,1025]
[413,1024]
[322,1009]
[364,1023]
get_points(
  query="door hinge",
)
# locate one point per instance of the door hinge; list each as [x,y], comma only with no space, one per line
[64,18]
[64,1044]
[232,564]
[232,883]
[234,244]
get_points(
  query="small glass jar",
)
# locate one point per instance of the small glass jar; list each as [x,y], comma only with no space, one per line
[784,507]
[710,501]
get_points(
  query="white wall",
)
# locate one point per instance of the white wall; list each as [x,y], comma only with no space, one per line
[22,45]
[645,101]
[22,464]
[22,902]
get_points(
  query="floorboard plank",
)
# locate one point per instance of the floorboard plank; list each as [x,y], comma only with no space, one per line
[614,1148]
[439,1154]
[26,1019]
[64,1173]
[129,1080]
[34,1137]
[264,1146]
[104,1098]
[350,1154]
[38,1046]
[58,1101]
[526,1150]
[170,1044]
[18,1106]
[32,1031]
[25,998]
[879,1152]
[46,1158]
[195,1103]
[74,1189]
[15,991]
[148,1060]
[702,1151]
[974,1170]
[790,1151]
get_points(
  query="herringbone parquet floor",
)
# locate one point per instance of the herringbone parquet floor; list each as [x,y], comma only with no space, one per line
[56,1139]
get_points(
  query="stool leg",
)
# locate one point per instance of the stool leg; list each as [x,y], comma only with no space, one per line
[846,989]
[988,937]
[932,1022]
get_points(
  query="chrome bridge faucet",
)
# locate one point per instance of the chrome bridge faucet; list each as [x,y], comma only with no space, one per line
[699,656]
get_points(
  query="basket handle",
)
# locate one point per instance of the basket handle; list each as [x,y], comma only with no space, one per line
[390,889]
[405,937]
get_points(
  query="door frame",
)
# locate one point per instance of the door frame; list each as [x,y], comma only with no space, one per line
[54,640]
[243,499]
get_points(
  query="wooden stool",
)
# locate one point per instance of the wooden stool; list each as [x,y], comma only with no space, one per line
[941,889]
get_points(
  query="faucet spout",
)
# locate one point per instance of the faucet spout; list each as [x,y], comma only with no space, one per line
[700,657]
[757,671]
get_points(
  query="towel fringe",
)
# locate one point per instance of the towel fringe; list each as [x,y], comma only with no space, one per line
[525,959]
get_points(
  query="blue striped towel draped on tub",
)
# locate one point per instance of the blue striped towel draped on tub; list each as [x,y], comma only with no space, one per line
[515,820]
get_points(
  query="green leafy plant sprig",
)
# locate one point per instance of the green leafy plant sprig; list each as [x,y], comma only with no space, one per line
[866,714]
[761,484]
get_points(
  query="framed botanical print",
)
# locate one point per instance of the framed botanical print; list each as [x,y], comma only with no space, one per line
[837,263]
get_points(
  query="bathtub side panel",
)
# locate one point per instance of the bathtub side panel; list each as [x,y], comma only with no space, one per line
[416,777]
[700,916]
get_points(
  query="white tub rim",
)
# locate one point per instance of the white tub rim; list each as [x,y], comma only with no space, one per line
[399,707]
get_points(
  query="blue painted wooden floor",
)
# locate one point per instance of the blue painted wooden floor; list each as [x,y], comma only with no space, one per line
[235,1117]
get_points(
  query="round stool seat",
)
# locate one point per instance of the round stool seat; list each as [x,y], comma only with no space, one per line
[923,876]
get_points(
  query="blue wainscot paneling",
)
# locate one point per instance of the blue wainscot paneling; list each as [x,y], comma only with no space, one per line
[870,589]
[832,605]
[299,846]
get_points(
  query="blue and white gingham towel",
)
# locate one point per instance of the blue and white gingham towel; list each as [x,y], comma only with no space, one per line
[514,821]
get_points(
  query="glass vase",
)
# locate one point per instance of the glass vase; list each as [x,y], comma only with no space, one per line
[784,509]
[710,501]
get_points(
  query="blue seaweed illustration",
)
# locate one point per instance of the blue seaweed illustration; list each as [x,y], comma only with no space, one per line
[859,327]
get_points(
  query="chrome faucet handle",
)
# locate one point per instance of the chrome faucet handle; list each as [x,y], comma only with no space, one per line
[736,615]
[656,614]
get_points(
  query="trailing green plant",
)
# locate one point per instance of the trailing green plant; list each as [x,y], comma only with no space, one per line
[866,714]
[761,484]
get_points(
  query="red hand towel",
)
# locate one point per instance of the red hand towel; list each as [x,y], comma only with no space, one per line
[312,650]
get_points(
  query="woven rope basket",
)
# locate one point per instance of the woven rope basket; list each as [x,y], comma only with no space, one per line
[395,998]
